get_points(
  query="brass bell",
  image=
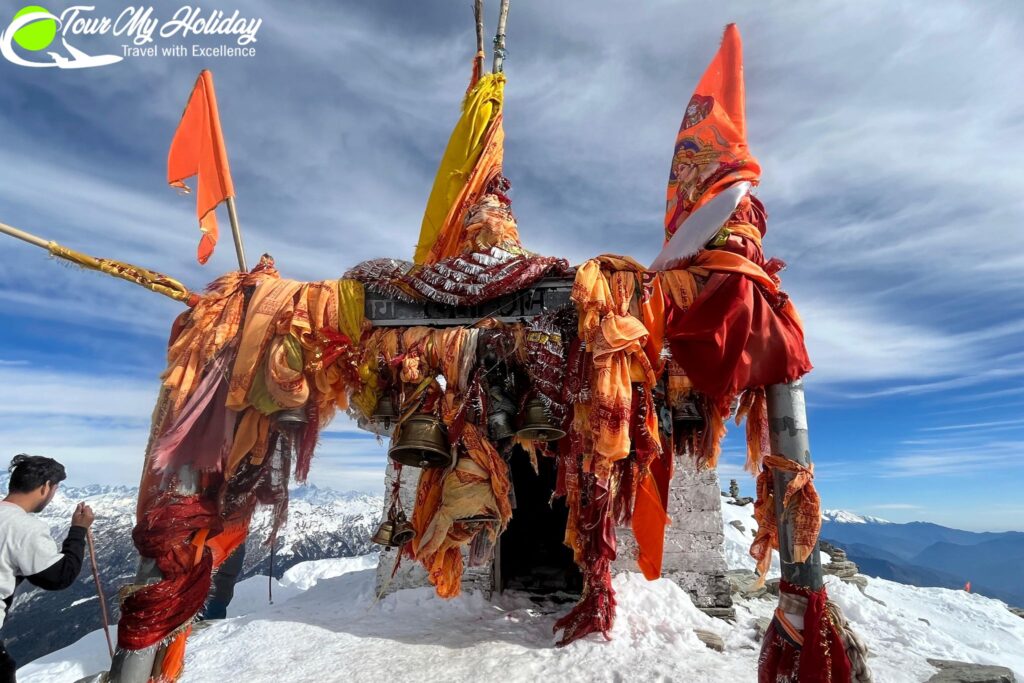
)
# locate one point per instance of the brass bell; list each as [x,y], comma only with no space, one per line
[499,417]
[394,532]
[686,415]
[384,416]
[536,426]
[291,418]
[385,532]
[422,441]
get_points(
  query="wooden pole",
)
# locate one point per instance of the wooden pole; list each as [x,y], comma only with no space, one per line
[499,39]
[99,591]
[236,233]
[787,423]
[478,13]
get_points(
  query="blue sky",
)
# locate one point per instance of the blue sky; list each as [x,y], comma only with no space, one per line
[890,139]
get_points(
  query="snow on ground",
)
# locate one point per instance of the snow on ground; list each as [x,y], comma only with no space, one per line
[327,625]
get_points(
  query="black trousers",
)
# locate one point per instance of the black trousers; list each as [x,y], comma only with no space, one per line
[7,666]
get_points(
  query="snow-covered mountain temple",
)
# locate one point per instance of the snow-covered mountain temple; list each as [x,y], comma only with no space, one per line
[548,423]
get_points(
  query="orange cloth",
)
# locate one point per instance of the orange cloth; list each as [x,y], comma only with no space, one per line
[204,331]
[800,502]
[711,151]
[754,409]
[478,485]
[616,340]
[198,150]
[269,312]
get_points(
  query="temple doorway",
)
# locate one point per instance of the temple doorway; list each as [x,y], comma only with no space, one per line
[530,555]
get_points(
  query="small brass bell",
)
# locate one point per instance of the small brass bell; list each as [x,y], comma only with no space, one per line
[536,426]
[422,441]
[384,417]
[385,532]
[394,532]
[403,532]
[291,418]
[499,418]
[686,416]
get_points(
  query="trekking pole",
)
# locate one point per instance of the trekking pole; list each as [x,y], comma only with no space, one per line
[99,591]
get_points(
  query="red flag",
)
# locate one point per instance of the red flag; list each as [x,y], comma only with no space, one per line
[198,150]
[967,586]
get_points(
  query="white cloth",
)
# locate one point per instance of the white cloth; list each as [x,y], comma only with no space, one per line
[26,548]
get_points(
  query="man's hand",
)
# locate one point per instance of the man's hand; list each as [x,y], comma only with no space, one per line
[83,516]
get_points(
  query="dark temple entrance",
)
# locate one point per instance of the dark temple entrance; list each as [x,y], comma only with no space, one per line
[530,555]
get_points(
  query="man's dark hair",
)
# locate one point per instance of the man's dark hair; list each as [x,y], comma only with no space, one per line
[29,472]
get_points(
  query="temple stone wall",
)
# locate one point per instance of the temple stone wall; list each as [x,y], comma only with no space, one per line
[694,556]
[694,542]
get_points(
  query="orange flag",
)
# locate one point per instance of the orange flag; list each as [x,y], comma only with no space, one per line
[198,150]
[711,151]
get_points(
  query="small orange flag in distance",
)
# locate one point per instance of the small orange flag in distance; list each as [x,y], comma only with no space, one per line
[198,150]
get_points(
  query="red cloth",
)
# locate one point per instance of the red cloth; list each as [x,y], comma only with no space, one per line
[736,335]
[165,533]
[595,612]
[820,655]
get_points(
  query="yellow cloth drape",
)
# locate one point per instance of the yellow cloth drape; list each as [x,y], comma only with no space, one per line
[458,176]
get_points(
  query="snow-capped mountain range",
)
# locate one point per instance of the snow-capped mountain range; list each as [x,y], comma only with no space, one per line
[847,517]
[322,523]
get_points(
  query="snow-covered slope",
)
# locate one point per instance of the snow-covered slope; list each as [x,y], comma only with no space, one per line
[327,625]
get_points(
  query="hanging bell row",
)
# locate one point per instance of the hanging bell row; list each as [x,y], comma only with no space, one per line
[536,426]
[422,441]
[395,531]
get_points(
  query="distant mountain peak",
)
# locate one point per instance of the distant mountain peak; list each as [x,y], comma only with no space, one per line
[847,517]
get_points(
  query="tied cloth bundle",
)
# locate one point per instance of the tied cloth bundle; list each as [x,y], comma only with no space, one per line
[800,503]
[815,654]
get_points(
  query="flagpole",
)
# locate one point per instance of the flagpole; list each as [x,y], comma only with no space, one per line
[499,39]
[478,13]
[236,232]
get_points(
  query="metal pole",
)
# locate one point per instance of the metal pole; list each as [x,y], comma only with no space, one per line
[22,235]
[787,421]
[499,39]
[236,232]
[136,666]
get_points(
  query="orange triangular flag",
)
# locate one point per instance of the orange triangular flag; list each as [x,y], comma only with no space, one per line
[711,151]
[198,150]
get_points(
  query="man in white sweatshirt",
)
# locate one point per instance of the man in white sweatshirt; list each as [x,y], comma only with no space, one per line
[27,551]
